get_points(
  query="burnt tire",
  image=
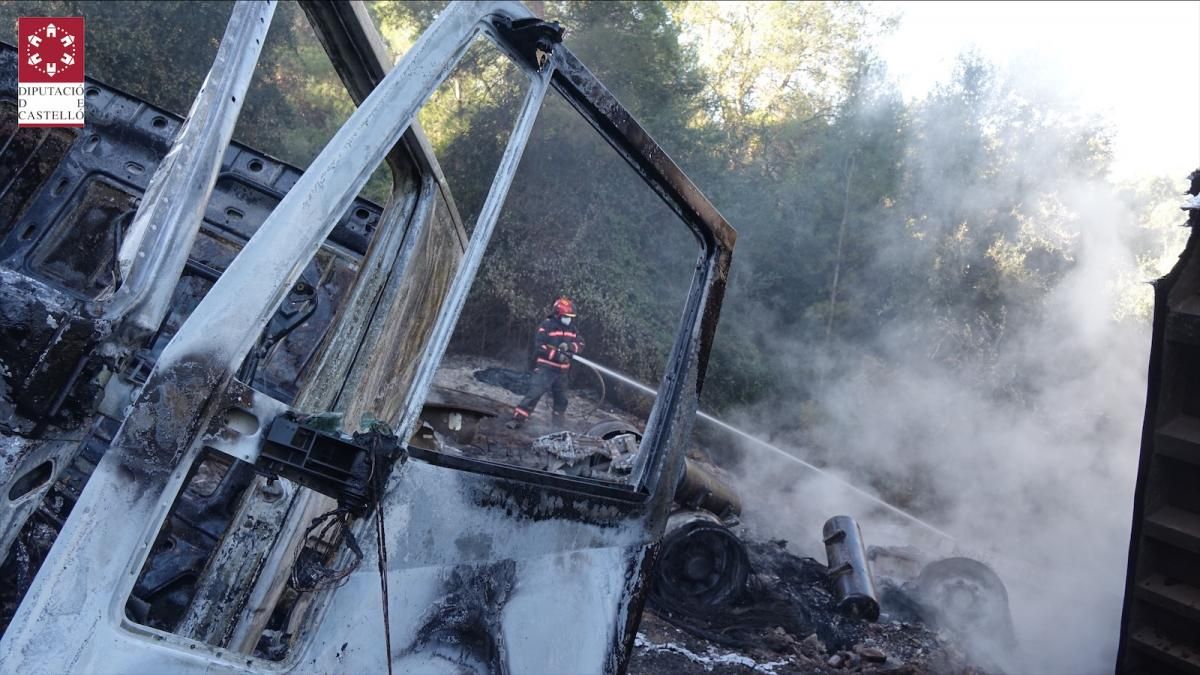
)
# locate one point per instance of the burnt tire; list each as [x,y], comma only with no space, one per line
[966,595]
[613,428]
[702,564]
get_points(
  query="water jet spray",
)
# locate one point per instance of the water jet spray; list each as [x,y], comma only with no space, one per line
[777,450]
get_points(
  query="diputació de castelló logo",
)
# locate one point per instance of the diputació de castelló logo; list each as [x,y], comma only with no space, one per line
[50,90]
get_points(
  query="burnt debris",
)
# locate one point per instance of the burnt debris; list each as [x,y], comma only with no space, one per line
[330,463]
[787,620]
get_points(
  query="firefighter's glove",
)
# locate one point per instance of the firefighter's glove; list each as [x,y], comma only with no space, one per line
[564,347]
[563,357]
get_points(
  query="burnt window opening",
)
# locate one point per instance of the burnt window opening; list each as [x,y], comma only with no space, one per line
[469,120]
[603,237]
[380,370]
[176,590]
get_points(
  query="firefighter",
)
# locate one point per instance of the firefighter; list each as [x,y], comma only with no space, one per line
[555,344]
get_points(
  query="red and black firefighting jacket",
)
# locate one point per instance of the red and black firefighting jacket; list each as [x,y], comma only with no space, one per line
[550,335]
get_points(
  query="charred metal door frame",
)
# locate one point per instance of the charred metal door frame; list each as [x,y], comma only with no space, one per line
[162,232]
[145,469]
[62,624]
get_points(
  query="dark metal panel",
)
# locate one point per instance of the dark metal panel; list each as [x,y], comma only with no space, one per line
[1157,631]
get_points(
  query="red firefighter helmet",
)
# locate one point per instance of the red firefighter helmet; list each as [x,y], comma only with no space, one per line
[564,307]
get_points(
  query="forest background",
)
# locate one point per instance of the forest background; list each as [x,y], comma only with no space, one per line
[856,208]
[942,296]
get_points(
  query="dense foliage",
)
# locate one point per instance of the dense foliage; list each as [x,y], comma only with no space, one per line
[859,213]
[856,209]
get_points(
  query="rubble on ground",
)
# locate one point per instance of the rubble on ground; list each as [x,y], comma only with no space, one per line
[785,622]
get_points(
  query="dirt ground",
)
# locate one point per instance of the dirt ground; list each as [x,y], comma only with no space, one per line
[496,443]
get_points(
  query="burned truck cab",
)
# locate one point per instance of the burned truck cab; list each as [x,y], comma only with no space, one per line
[244,398]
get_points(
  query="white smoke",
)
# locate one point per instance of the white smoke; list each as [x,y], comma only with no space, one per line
[1024,446]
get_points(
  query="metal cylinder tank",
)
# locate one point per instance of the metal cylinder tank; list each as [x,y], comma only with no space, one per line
[700,489]
[853,587]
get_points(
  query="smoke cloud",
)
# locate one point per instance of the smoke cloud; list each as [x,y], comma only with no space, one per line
[1015,428]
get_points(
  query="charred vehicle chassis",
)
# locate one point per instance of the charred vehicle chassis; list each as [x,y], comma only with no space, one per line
[190,379]
[1160,624]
